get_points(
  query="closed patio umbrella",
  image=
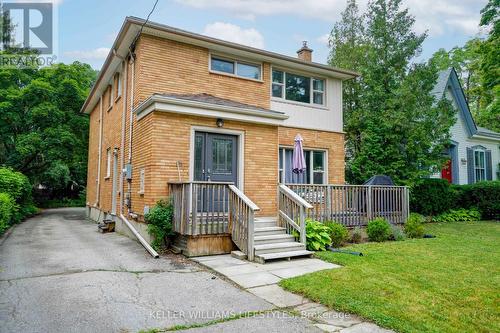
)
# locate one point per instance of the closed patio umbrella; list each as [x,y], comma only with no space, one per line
[298,160]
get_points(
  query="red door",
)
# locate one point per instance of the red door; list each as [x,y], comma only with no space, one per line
[446,172]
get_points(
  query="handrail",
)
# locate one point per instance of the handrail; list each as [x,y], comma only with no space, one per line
[345,185]
[245,199]
[199,182]
[295,197]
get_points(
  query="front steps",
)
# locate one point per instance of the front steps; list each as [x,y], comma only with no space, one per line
[272,242]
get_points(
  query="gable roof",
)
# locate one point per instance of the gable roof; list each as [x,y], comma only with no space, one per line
[134,25]
[449,79]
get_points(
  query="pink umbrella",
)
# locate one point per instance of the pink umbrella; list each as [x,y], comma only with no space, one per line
[298,160]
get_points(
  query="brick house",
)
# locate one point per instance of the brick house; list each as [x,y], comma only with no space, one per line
[178,114]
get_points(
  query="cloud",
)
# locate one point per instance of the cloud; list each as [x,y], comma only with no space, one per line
[95,54]
[234,33]
[323,39]
[438,17]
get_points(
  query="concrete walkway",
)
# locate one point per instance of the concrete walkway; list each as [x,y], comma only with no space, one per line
[261,280]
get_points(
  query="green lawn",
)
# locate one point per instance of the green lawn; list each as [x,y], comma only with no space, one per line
[446,284]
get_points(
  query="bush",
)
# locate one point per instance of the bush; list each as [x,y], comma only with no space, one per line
[484,196]
[378,230]
[397,233]
[338,233]
[432,197]
[18,187]
[458,215]
[159,221]
[7,207]
[357,235]
[414,226]
[317,236]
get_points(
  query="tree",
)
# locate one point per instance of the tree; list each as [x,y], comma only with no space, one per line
[394,125]
[42,132]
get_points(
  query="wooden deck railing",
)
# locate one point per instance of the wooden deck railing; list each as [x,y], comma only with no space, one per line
[200,208]
[292,212]
[241,218]
[210,208]
[355,205]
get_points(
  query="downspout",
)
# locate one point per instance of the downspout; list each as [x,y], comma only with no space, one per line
[99,155]
[122,145]
[132,79]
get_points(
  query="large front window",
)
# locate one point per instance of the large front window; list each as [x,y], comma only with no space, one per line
[479,165]
[298,88]
[315,167]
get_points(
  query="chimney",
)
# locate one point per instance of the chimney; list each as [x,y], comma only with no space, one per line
[305,53]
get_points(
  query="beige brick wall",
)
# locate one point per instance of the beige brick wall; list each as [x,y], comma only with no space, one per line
[330,141]
[165,66]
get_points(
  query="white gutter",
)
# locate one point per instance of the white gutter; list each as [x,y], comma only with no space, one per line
[99,155]
[139,237]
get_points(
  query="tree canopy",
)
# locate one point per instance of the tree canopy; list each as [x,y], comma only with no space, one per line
[42,132]
[393,124]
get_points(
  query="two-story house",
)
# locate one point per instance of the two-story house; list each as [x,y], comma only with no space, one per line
[182,115]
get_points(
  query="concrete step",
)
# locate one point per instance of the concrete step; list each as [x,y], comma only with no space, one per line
[269,231]
[278,247]
[261,258]
[266,219]
[270,239]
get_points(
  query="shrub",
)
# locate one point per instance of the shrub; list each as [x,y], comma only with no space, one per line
[378,230]
[159,221]
[432,197]
[18,187]
[397,233]
[357,235]
[7,207]
[484,196]
[317,236]
[414,226]
[458,215]
[338,233]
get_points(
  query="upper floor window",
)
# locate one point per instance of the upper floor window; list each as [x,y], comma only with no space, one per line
[118,85]
[479,165]
[233,67]
[110,96]
[108,162]
[298,88]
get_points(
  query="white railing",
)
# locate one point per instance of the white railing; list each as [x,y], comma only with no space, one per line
[292,212]
[355,205]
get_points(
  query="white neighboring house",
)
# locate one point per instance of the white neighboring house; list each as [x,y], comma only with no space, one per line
[474,151]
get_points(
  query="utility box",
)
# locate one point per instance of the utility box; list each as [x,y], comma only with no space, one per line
[127,171]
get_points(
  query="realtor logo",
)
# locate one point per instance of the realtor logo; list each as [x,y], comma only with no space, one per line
[27,25]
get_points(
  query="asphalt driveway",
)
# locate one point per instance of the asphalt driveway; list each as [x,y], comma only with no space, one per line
[58,274]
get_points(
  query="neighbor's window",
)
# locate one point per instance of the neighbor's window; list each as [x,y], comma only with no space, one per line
[298,88]
[315,167]
[479,165]
[242,69]
[108,162]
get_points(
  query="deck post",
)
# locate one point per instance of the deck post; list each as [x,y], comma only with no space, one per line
[302,225]
[250,228]
[369,209]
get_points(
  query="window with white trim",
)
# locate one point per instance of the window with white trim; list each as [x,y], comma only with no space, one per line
[235,67]
[118,85]
[479,165]
[315,167]
[110,94]
[298,88]
[108,162]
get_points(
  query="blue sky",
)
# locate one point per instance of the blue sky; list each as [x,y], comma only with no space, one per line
[86,29]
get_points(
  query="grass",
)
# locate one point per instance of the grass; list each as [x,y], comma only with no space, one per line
[446,284]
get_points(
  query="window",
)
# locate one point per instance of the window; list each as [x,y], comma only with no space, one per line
[479,165]
[298,88]
[242,69]
[314,174]
[108,162]
[142,180]
[118,85]
[110,96]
